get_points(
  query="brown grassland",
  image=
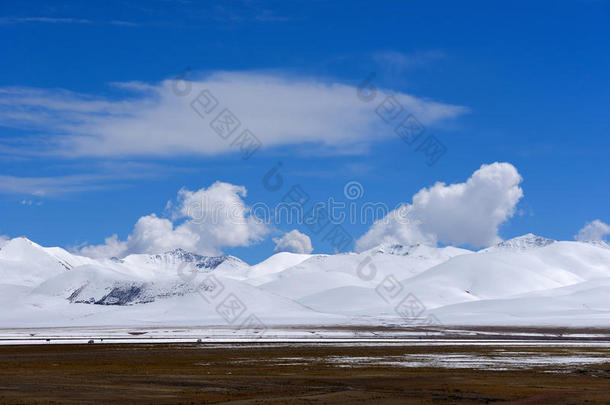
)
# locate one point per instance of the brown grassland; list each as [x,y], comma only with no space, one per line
[254,374]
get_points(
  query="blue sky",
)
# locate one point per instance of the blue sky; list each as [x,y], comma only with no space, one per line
[509,82]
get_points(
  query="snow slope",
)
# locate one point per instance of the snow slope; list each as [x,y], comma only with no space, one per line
[323,273]
[25,263]
[264,271]
[583,304]
[528,280]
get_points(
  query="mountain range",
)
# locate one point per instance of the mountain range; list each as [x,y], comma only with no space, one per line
[529,280]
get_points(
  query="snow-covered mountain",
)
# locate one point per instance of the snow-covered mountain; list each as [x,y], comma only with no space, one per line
[524,242]
[25,263]
[526,280]
[169,263]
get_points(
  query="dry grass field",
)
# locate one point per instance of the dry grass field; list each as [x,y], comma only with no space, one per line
[296,374]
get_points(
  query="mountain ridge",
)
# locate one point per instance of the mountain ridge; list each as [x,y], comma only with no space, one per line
[498,284]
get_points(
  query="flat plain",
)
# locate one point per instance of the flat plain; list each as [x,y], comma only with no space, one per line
[314,373]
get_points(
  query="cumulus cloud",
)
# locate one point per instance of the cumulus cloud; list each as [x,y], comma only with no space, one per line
[203,221]
[293,241]
[219,215]
[159,119]
[397,227]
[466,213]
[112,247]
[593,231]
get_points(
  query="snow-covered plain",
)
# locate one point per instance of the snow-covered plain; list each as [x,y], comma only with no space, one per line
[527,281]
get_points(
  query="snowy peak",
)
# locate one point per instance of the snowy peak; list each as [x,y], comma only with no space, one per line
[416,251]
[23,262]
[524,242]
[598,243]
[24,250]
[169,264]
[18,247]
[277,263]
[177,257]
[199,261]
[394,249]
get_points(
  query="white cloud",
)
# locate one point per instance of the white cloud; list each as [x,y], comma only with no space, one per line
[593,231]
[458,214]
[56,20]
[112,247]
[108,175]
[49,186]
[395,61]
[212,219]
[219,216]
[155,120]
[52,20]
[398,227]
[293,241]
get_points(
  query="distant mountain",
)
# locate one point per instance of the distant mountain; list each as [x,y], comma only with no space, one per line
[23,262]
[600,243]
[178,256]
[527,241]
[169,263]
[421,250]
[526,280]
[141,278]
[264,271]
[322,273]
